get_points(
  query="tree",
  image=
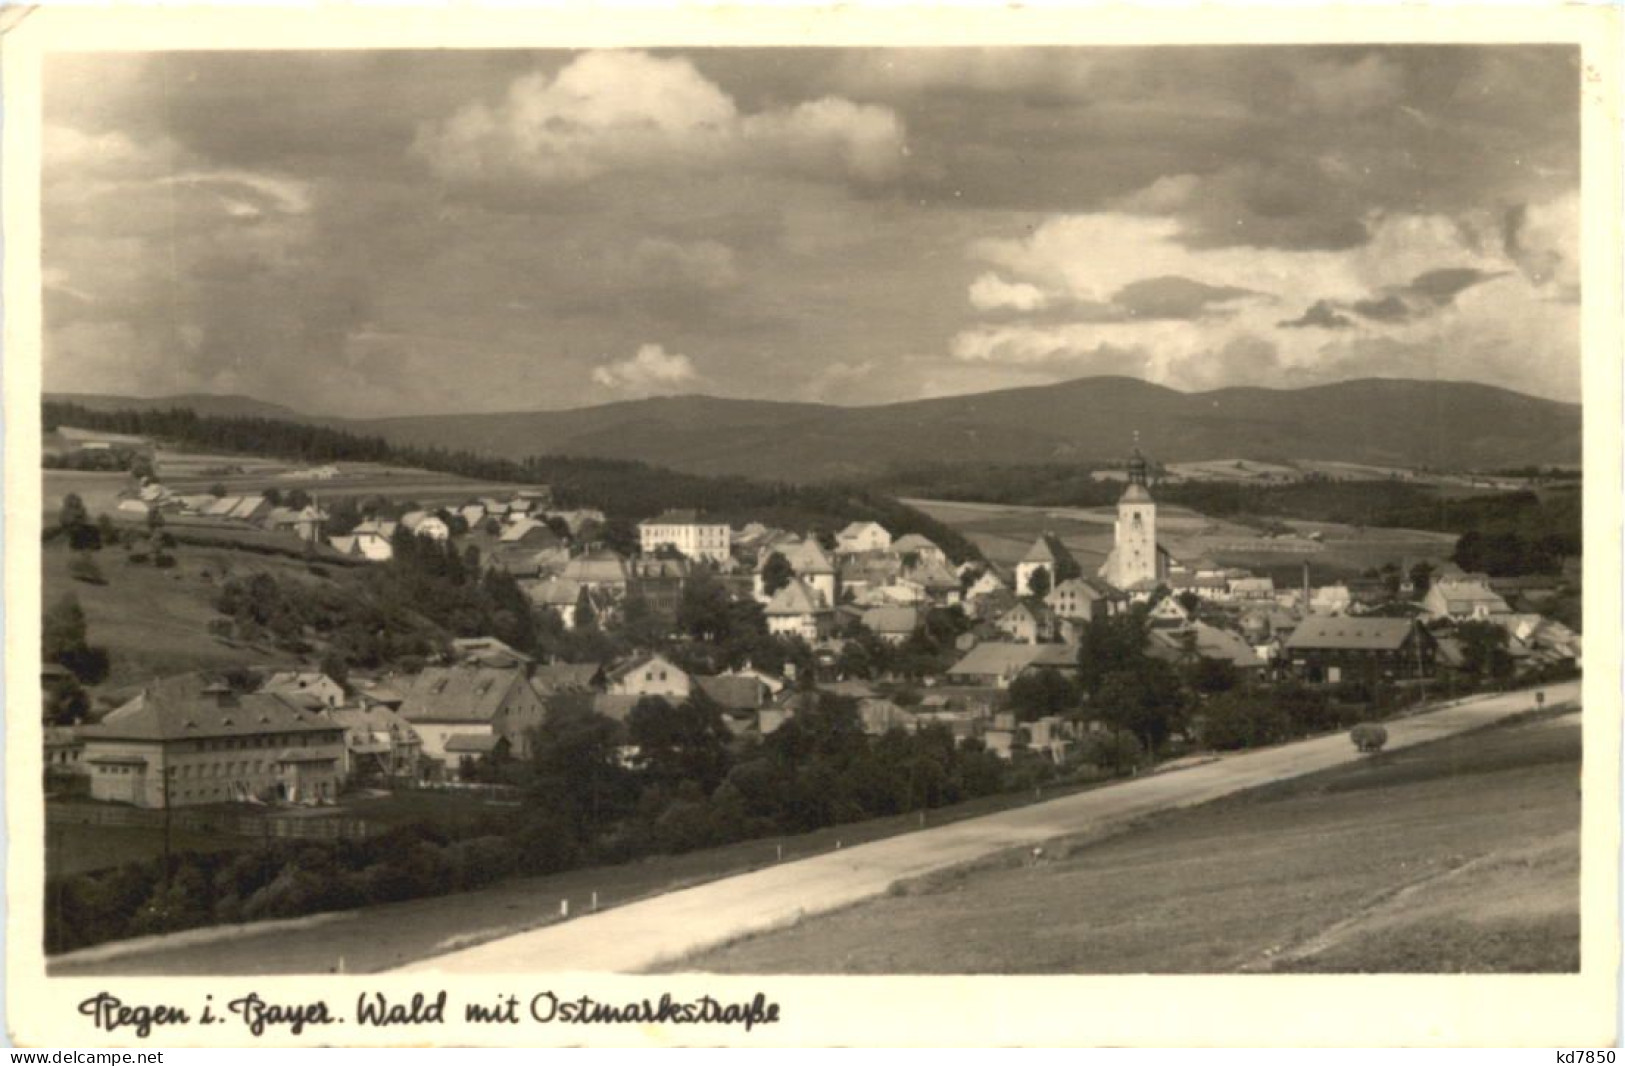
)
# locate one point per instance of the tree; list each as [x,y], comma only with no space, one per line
[576,767]
[776,573]
[1422,578]
[217,490]
[1484,650]
[337,667]
[298,499]
[586,614]
[1190,601]
[1111,645]
[273,496]
[686,742]
[65,702]
[1038,583]
[73,512]
[1212,676]
[65,641]
[1041,693]
[1238,719]
[1145,701]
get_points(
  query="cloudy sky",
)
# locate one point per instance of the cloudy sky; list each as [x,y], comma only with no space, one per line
[387,233]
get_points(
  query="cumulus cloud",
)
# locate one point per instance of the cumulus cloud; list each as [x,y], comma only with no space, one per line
[1422,284]
[651,370]
[629,111]
[992,293]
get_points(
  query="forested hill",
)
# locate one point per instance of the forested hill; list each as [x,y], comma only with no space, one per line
[625,490]
[1384,422]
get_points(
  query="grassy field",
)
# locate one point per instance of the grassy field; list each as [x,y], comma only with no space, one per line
[1005,532]
[73,848]
[383,937]
[1459,856]
[155,622]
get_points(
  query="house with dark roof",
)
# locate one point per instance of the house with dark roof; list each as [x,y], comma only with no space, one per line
[187,741]
[1339,648]
[447,701]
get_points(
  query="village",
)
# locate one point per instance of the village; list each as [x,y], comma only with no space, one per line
[999,659]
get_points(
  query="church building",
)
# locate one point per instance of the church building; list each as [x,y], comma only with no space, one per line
[1137,563]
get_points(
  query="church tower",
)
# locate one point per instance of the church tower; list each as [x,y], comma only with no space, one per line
[1133,562]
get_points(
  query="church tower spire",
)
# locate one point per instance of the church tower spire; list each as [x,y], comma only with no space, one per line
[1134,562]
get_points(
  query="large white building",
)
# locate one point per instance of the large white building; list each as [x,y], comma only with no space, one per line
[687,532]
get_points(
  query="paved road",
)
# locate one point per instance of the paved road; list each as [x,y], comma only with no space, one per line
[641,935]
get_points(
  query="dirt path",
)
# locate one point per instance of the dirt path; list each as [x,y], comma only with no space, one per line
[643,935]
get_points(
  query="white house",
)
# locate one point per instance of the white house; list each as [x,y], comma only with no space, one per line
[862,537]
[797,610]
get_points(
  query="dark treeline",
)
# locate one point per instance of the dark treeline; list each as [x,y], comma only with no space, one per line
[1513,532]
[625,490]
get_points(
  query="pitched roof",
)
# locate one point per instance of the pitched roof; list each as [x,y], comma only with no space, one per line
[913,542]
[375,718]
[795,598]
[529,531]
[891,619]
[459,693]
[558,677]
[638,662]
[998,659]
[1319,632]
[188,706]
[1047,549]
[597,568]
[733,693]
[473,743]
[807,557]
[681,516]
[858,529]
[555,592]
[931,574]
[486,648]
[1210,642]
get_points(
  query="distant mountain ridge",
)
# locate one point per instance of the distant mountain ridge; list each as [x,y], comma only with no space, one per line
[1380,421]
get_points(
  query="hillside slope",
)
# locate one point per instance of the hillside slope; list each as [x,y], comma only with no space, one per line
[1382,422]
